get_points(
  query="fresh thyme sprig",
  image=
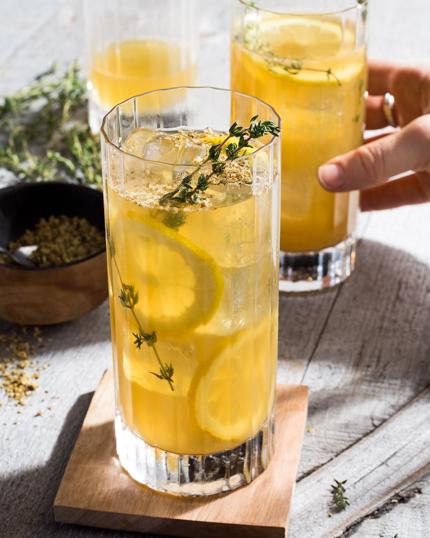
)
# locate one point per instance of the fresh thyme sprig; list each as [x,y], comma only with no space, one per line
[37,142]
[296,66]
[338,492]
[166,371]
[129,299]
[190,188]
[58,97]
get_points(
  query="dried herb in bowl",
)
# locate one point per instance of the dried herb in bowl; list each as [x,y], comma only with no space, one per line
[61,240]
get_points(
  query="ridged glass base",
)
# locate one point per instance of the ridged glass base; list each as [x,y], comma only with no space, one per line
[195,476]
[304,272]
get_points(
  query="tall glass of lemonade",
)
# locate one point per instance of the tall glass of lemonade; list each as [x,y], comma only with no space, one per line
[135,47]
[192,207]
[308,59]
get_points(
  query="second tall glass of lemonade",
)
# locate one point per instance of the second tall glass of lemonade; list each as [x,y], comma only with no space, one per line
[193,284]
[308,59]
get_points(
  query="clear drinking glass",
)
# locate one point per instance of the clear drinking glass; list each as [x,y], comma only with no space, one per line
[135,47]
[193,292]
[308,59]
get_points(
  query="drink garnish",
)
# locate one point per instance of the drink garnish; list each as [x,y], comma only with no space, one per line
[190,189]
[128,299]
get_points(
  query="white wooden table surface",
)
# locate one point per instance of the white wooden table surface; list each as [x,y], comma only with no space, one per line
[363,349]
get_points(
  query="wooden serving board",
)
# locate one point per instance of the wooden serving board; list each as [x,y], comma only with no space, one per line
[97,492]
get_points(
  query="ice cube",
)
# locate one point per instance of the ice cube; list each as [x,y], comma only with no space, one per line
[137,140]
[191,153]
[163,148]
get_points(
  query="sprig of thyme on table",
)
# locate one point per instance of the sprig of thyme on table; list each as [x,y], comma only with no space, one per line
[36,141]
[338,492]
[128,299]
[191,187]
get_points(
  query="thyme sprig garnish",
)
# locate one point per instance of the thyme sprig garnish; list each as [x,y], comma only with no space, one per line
[166,370]
[37,141]
[129,299]
[190,189]
[338,492]
[296,66]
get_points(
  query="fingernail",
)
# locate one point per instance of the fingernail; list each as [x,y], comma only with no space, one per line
[331,176]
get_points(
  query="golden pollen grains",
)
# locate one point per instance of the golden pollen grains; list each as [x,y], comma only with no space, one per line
[61,240]
[16,358]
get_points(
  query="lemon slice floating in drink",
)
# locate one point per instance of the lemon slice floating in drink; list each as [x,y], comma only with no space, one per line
[230,384]
[181,286]
[317,47]
[303,37]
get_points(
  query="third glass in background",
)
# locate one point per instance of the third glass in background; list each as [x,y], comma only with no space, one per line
[136,47]
[308,60]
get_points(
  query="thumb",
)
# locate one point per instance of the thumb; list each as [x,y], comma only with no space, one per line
[374,163]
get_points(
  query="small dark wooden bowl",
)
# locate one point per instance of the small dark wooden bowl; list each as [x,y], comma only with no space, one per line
[47,295]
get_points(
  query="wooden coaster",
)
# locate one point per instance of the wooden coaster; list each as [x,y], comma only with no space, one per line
[97,492]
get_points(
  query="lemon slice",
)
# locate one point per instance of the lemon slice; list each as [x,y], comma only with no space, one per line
[318,45]
[231,395]
[180,286]
[302,37]
[216,139]
[262,159]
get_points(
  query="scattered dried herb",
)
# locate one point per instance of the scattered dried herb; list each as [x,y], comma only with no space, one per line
[61,240]
[16,358]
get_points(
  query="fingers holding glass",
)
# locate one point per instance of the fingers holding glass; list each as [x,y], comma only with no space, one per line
[376,162]
[408,190]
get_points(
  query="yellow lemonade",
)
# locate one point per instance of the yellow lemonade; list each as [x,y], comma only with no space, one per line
[312,73]
[138,66]
[201,284]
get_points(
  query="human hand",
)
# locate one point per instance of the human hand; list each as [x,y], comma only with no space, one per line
[369,167]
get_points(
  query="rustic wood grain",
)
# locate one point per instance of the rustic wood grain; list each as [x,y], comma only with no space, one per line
[95,491]
[384,462]
[409,517]
[373,356]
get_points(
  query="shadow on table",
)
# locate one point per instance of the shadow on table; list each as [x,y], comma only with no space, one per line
[27,498]
[93,328]
[377,322]
[370,356]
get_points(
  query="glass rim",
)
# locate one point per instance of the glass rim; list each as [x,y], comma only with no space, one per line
[356,5]
[172,165]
